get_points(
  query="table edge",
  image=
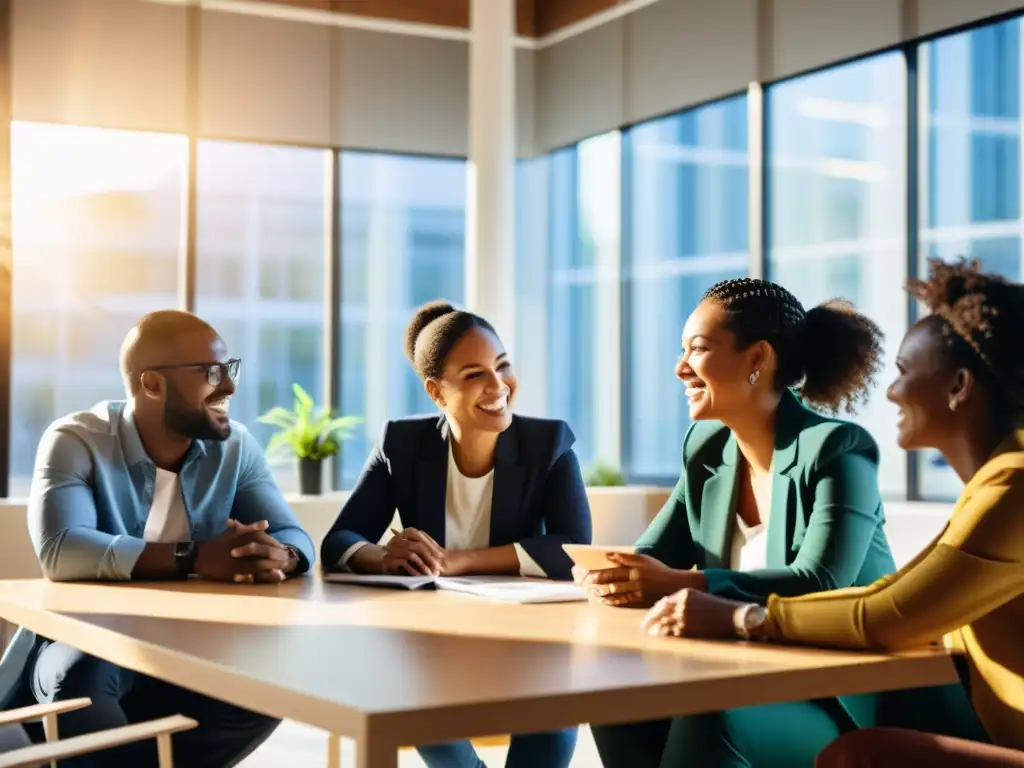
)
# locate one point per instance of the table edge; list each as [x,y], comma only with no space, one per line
[207,677]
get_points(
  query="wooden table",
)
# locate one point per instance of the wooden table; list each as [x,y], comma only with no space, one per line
[393,668]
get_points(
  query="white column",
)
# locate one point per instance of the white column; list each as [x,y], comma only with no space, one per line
[600,183]
[490,203]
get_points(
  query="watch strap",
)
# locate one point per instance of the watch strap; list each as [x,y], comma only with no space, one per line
[185,553]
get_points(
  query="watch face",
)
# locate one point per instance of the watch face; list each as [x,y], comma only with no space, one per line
[184,548]
[747,619]
[754,618]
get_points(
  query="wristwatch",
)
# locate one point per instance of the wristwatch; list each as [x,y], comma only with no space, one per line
[747,619]
[185,558]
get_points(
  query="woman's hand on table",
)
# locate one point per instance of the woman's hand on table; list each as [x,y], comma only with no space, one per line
[413,552]
[692,613]
[635,580]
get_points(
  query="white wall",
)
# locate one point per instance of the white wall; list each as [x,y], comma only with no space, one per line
[121,64]
[678,53]
[620,515]
[112,63]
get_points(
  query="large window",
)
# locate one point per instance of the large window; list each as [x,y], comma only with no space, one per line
[261,236]
[583,316]
[402,244]
[97,219]
[836,199]
[688,190]
[970,183]
[531,298]
[567,292]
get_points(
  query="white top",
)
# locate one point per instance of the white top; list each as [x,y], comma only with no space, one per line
[467,519]
[167,521]
[750,545]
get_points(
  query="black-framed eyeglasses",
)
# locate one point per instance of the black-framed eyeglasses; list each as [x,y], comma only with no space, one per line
[215,372]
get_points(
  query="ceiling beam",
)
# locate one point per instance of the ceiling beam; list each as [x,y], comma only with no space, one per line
[443,19]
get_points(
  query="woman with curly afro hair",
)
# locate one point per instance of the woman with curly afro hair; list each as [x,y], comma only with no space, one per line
[960,390]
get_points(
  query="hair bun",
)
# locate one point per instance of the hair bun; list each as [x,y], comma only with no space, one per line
[423,317]
[842,355]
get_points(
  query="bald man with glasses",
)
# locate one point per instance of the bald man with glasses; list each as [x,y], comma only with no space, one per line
[162,485]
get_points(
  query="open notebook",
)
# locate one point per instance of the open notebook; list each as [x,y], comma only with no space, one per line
[506,589]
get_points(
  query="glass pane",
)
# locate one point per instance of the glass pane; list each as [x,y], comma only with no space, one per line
[97,218]
[583,263]
[836,209]
[261,216]
[688,202]
[532,273]
[970,182]
[403,243]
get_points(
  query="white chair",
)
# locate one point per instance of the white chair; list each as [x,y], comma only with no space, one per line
[54,749]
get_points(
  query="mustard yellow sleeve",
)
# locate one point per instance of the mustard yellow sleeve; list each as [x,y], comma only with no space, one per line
[976,566]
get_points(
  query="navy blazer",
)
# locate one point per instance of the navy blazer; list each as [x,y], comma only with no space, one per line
[539,500]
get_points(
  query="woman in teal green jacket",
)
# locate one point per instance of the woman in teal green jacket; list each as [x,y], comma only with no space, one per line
[774,498]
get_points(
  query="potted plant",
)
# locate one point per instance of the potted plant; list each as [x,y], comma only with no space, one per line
[603,476]
[620,512]
[309,433]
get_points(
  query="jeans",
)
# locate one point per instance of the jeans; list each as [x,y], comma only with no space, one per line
[535,750]
[225,736]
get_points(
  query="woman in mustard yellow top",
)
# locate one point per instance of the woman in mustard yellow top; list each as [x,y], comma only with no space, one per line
[960,389]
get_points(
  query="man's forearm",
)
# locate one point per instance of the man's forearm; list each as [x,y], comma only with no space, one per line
[156,563]
[80,554]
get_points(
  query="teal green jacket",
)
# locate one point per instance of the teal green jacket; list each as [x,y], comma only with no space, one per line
[825,523]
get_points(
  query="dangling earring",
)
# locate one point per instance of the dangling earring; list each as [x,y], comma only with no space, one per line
[952,405]
[754,377]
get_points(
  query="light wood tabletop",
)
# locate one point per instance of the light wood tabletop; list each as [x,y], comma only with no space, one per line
[391,668]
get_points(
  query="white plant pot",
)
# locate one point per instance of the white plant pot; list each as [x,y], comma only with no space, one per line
[621,513]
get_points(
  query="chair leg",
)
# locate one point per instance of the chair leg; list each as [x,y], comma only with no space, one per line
[333,751]
[50,727]
[50,731]
[165,756]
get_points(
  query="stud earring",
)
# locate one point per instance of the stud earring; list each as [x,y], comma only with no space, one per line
[754,377]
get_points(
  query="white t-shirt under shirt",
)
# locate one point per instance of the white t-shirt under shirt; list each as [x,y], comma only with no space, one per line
[467,520]
[167,521]
[750,545]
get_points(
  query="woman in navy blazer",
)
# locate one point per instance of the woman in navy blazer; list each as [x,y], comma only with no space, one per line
[478,491]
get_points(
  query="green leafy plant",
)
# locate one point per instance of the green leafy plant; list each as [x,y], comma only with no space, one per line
[307,431]
[604,475]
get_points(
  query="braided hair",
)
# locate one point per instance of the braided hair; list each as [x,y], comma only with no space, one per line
[981,320]
[433,331]
[831,352]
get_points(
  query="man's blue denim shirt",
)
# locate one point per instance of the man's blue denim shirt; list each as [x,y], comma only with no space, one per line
[93,487]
